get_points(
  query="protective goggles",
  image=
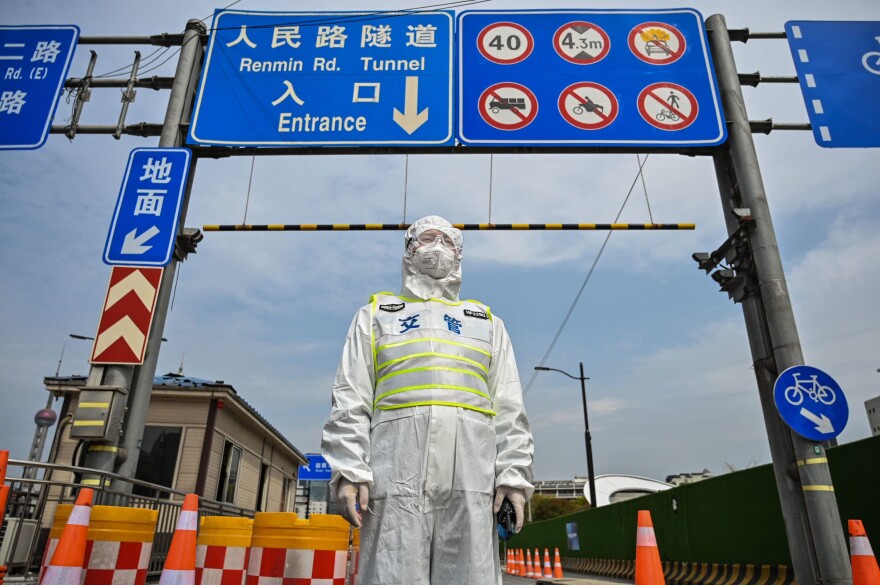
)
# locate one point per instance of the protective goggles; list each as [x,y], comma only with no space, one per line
[432,236]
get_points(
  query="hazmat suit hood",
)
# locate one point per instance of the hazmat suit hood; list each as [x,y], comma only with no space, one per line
[416,282]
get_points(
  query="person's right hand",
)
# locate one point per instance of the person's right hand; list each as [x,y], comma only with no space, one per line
[346,495]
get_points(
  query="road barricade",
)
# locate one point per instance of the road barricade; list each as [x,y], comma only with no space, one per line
[118,544]
[222,550]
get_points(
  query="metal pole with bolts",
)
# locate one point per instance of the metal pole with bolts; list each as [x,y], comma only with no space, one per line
[812,521]
[588,440]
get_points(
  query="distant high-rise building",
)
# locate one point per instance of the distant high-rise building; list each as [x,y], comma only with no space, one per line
[872,407]
[683,478]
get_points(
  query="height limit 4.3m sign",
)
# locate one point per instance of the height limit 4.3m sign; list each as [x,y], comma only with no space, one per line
[326,79]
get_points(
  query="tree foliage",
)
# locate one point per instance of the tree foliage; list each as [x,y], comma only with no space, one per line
[546,507]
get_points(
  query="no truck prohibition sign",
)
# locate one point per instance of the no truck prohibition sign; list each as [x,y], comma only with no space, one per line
[508,106]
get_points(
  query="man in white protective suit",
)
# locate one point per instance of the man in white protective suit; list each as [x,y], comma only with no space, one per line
[428,433]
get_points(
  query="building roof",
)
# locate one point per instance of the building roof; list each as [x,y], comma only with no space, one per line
[609,485]
[172,380]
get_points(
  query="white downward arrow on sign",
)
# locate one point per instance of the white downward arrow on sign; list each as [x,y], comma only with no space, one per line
[134,244]
[823,423]
[411,119]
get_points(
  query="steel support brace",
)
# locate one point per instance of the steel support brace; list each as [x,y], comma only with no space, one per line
[812,522]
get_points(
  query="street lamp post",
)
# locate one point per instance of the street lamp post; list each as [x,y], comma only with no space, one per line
[591,477]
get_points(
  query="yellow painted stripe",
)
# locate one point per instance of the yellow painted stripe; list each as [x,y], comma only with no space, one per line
[107,448]
[438,403]
[94,405]
[211,228]
[91,482]
[276,227]
[437,339]
[818,488]
[812,461]
[88,423]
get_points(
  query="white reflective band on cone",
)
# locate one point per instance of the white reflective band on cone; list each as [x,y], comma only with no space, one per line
[174,577]
[645,537]
[55,575]
[80,516]
[860,546]
[188,520]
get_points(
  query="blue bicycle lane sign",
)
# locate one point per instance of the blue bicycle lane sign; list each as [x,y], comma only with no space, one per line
[811,402]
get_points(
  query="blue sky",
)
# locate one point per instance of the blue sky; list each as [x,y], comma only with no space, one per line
[671,388]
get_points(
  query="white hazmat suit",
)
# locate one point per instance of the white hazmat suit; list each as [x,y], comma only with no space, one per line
[428,423]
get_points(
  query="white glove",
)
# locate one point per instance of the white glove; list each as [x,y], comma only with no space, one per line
[517,497]
[347,493]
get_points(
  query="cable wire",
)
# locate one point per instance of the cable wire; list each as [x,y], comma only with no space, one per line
[586,280]
[645,187]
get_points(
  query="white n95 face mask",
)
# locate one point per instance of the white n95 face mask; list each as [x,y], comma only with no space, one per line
[434,260]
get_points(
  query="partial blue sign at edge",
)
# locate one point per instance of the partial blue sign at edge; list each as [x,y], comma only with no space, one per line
[34,61]
[838,67]
[317,470]
[811,402]
[143,230]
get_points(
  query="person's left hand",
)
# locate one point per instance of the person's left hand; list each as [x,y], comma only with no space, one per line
[517,498]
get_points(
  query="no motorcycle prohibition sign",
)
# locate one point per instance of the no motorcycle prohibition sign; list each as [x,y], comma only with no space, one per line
[587,105]
[508,106]
[505,43]
[668,106]
[657,43]
[581,42]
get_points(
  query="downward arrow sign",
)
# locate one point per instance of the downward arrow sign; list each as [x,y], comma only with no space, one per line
[411,119]
[823,423]
[134,244]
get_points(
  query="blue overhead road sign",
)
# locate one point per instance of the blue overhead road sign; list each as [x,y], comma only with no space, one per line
[33,66]
[302,79]
[317,470]
[811,403]
[632,78]
[144,226]
[838,66]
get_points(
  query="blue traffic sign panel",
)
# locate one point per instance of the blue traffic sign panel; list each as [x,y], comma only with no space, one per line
[302,79]
[144,226]
[627,78]
[34,61]
[838,66]
[811,403]
[317,470]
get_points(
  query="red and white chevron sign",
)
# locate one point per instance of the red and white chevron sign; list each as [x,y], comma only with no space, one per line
[127,316]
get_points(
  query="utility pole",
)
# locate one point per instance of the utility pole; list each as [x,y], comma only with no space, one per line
[121,455]
[809,507]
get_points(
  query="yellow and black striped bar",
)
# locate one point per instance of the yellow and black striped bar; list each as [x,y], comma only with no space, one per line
[355,227]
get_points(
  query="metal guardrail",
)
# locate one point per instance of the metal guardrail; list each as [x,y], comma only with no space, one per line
[25,533]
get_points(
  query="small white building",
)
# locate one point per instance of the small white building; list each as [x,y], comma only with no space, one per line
[872,408]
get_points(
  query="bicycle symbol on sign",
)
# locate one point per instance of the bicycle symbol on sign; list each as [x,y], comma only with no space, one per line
[794,395]
[664,114]
[871,60]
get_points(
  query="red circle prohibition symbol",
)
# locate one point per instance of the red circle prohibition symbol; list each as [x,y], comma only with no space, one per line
[667,112]
[657,51]
[506,43]
[592,109]
[587,58]
[522,108]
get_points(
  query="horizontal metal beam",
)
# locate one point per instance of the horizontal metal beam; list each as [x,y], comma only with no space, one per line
[154,82]
[753,79]
[766,126]
[742,35]
[141,129]
[360,227]
[162,40]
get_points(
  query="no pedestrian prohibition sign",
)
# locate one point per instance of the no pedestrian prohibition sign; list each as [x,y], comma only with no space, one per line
[326,79]
[586,77]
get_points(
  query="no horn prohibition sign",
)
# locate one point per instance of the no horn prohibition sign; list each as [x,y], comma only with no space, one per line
[581,42]
[657,43]
[505,43]
[508,106]
[588,106]
[668,106]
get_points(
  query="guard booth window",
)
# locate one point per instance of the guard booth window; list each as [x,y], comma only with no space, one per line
[158,458]
[228,473]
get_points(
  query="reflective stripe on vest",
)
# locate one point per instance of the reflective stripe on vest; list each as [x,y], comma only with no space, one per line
[431,353]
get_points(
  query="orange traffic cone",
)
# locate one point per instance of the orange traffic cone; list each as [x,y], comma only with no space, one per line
[508,567]
[537,571]
[529,571]
[649,571]
[864,565]
[557,564]
[548,569]
[66,565]
[522,563]
[180,564]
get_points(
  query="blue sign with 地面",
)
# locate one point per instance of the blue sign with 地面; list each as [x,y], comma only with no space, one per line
[838,66]
[628,78]
[144,226]
[300,79]
[811,403]
[317,470]
[34,61]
